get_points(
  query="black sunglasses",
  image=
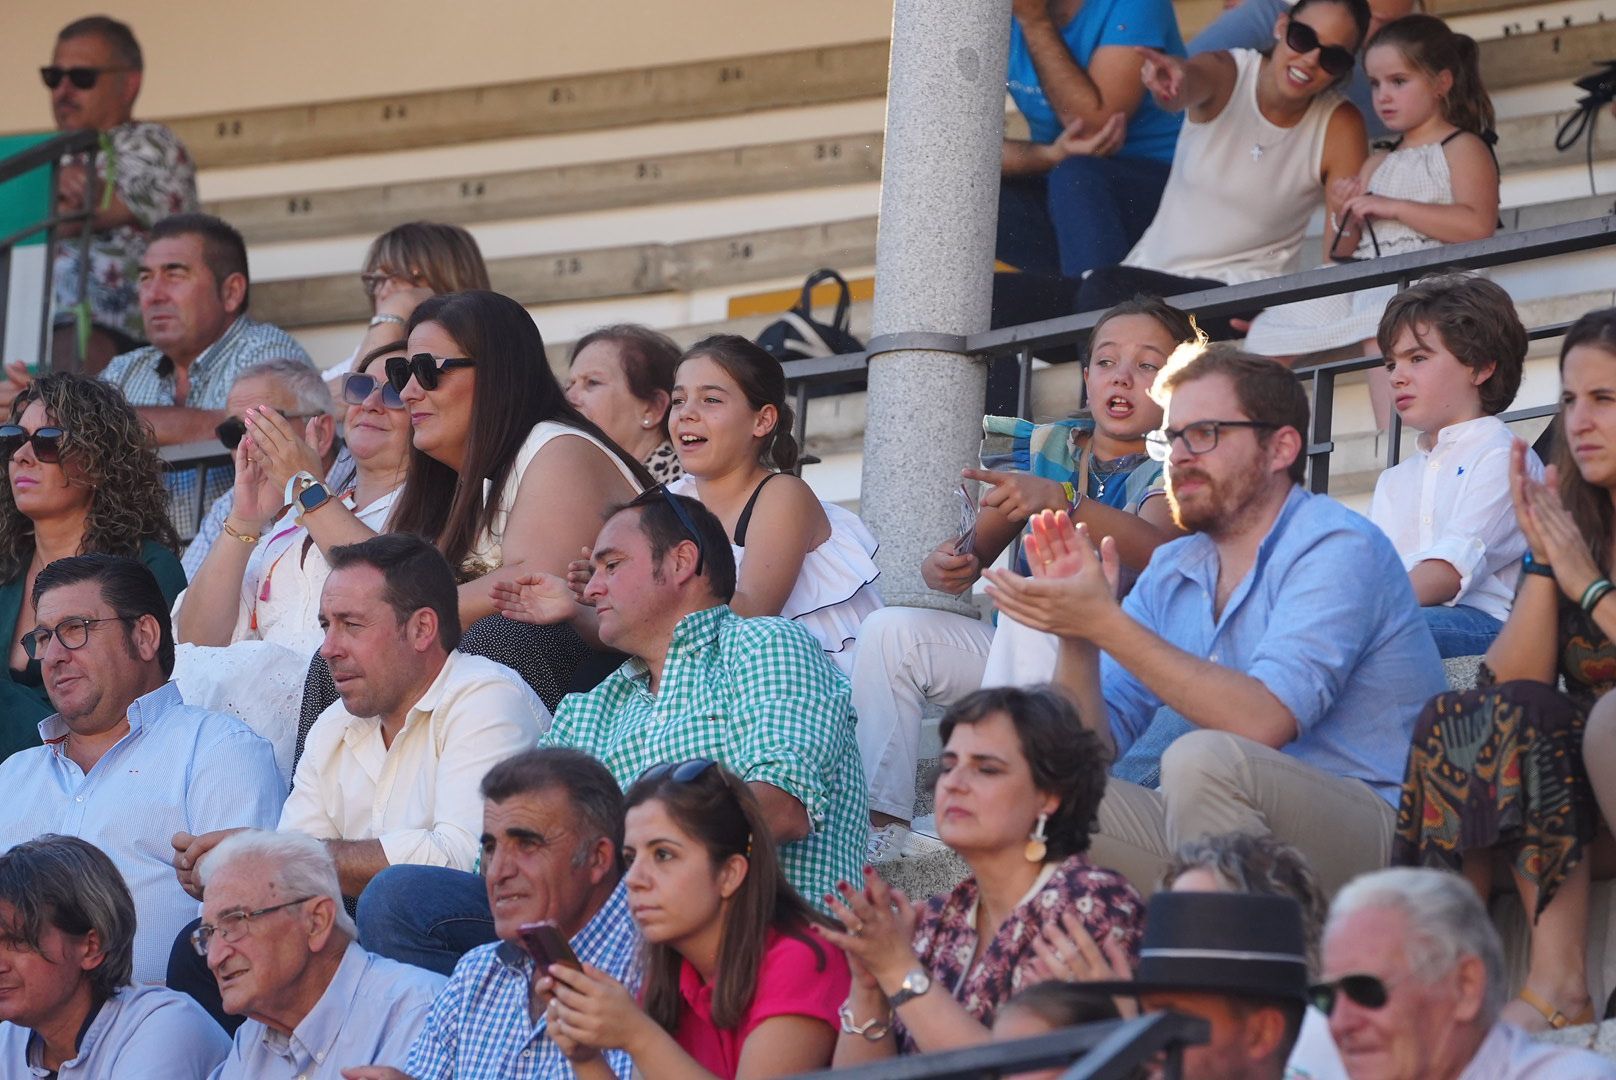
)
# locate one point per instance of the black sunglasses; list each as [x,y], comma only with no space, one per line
[47,442]
[81,77]
[1365,991]
[234,427]
[426,368]
[686,522]
[357,388]
[680,772]
[1334,59]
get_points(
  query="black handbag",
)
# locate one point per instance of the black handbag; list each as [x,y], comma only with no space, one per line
[797,335]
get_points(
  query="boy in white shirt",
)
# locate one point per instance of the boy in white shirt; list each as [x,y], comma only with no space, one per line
[1454,349]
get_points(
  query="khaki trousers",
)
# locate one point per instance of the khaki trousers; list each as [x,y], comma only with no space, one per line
[1213,782]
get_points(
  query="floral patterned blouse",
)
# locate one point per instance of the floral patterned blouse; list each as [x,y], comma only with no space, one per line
[945,935]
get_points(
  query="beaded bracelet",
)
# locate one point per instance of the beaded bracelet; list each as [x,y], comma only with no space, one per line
[1595,593]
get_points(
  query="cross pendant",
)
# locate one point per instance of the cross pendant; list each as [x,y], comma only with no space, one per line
[1256,152]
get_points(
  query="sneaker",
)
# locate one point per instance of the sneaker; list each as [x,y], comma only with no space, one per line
[895,841]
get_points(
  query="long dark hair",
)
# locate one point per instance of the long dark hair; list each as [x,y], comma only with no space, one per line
[718,811]
[514,391]
[1426,42]
[1590,507]
[763,381]
[114,452]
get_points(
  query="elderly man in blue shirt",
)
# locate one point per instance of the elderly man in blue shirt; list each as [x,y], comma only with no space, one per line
[1283,634]
[126,763]
[282,948]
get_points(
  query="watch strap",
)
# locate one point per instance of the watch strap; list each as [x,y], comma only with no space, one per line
[916,983]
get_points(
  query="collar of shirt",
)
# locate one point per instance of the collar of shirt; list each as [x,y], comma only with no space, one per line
[1456,436]
[144,710]
[1199,561]
[311,1041]
[165,365]
[88,1034]
[696,633]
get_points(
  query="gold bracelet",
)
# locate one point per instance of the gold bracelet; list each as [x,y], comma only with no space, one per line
[245,538]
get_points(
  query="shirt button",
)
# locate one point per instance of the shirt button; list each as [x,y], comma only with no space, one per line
[320,1056]
[78,798]
[527,1053]
[1427,519]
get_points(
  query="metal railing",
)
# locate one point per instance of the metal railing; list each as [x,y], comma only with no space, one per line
[1024,341]
[1104,1050]
[41,155]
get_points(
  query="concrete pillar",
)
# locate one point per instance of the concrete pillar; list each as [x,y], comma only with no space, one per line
[934,266]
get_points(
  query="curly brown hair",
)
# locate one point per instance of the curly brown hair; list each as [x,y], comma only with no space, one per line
[110,449]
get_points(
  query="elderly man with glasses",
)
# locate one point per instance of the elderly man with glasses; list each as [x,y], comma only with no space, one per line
[282,948]
[1281,644]
[756,695]
[126,762]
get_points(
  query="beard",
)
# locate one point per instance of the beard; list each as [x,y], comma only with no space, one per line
[1219,505]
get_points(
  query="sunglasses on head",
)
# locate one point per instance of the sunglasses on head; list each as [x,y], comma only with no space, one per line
[81,77]
[357,388]
[649,495]
[1365,991]
[1335,60]
[426,368]
[47,442]
[680,772]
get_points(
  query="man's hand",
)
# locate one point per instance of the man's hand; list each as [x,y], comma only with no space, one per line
[1077,141]
[188,852]
[71,184]
[15,382]
[1017,495]
[1073,587]
[543,599]
[947,571]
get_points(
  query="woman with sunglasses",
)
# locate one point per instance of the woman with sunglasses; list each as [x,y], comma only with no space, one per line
[1254,123]
[1499,771]
[261,581]
[83,476]
[738,979]
[1017,797]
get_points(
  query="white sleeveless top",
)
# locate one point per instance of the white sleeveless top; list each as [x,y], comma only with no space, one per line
[486,555]
[1241,189]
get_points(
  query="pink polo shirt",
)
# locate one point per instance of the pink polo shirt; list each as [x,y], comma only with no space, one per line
[793,981]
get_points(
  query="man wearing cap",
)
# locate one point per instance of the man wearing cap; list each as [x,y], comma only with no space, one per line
[1237,961]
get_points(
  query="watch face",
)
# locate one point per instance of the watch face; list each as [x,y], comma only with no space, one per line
[312,496]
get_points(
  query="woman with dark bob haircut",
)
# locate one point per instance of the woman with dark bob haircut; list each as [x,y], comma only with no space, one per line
[83,476]
[1017,795]
[67,938]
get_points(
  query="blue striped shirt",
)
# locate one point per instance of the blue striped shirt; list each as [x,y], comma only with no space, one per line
[479,1026]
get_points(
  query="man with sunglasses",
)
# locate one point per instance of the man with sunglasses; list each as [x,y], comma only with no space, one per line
[1414,981]
[126,763]
[93,78]
[1281,644]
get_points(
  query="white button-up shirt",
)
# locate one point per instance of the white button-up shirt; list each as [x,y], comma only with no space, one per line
[420,796]
[1450,502]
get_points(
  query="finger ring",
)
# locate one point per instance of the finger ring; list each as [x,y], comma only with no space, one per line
[856,930]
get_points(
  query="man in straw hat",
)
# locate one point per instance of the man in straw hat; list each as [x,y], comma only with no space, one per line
[1235,960]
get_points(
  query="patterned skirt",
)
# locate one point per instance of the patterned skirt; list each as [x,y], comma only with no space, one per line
[1499,766]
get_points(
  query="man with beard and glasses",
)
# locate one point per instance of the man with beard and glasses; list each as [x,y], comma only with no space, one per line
[1283,636]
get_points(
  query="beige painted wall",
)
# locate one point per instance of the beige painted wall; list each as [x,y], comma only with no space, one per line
[205,56]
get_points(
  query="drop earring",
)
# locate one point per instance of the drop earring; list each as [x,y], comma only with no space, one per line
[1037,847]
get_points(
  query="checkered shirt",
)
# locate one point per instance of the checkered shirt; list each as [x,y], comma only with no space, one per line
[758,696]
[479,1026]
[146,377]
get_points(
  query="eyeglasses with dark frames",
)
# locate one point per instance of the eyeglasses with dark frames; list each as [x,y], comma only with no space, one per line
[357,388]
[46,441]
[426,368]
[72,632]
[373,280]
[686,522]
[1303,39]
[81,77]
[1199,438]
[233,924]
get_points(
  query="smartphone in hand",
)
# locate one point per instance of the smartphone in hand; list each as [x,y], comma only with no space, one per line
[548,945]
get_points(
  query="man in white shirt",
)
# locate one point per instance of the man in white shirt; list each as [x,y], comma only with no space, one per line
[390,771]
[282,948]
[1414,982]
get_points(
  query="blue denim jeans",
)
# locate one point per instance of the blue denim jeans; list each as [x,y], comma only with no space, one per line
[429,916]
[1084,213]
[1461,630]
[1141,763]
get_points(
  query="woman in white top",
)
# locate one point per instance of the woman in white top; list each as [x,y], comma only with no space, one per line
[1264,137]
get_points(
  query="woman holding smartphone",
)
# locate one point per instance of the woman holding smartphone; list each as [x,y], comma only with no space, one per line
[738,980]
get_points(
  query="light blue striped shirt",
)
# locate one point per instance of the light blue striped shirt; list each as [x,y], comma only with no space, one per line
[370,1013]
[179,769]
[139,1033]
[479,1027]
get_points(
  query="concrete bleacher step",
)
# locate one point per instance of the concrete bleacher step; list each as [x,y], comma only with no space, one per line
[683,91]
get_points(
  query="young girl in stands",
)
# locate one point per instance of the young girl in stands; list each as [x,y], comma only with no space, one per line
[1454,350]
[737,977]
[1436,183]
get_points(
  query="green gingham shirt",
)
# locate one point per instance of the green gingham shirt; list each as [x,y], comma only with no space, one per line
[759,697]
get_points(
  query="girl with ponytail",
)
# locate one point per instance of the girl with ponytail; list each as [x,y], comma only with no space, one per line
[1436,183]
[795,556]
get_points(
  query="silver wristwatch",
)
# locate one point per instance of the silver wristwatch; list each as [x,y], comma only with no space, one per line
[914,984]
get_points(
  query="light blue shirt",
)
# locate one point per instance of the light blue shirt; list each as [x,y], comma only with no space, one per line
[1325,619]
[479,1027]
[179,769]
[139,1033]
[369,1015]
